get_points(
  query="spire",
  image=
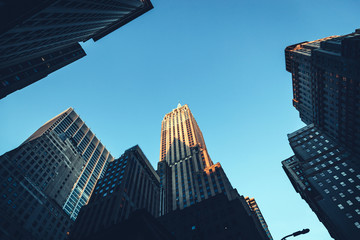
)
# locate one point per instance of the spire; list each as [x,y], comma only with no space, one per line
[179,105]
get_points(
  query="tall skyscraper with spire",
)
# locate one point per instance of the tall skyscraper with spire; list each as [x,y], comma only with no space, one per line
[190,180]
[187,173]
[189,195]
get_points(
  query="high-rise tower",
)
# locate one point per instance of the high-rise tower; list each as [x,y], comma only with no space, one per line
[43,35]
[191,182]
[129,183]
[93,152]
[187,174]
[36,180]
[325,169]
[326,85]
[327,177]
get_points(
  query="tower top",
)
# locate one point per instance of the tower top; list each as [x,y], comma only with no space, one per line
[179,105]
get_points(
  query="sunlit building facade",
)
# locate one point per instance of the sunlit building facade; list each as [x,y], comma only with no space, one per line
[94,154]
[189,180]
[187,174]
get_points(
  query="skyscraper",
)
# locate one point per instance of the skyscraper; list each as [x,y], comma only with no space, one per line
[192,185]
[326,85]
[325,168]
[327,177]
[88,146]
[187,174]
[129,183]
[23,73]
[42,29]
[36,180]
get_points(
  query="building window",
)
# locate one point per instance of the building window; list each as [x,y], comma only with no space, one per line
[357,224]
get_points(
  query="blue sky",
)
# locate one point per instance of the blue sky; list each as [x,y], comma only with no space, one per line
[225,59]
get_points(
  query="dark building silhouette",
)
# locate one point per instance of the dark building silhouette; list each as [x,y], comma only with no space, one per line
[326,77]
[255,208]
[22,74]
[327,177]
[36,179]
[215,218]
[129,183]
[140,225]
[50,30]
[325,167]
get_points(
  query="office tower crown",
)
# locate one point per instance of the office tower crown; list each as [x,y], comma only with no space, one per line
[180,132]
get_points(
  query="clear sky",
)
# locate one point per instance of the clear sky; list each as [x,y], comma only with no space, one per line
[225,59]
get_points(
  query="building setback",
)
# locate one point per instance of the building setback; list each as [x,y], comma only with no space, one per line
[40,29]
[327,177]
[255,208]
[325,168]
[209,207]
[88,146]
[189,178]
[326,85]
[129,183]
[36,179]
[187,174]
